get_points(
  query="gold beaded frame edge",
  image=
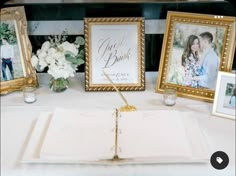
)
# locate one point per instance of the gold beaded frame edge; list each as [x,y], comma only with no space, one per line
[226,59]
[141,46]
[30,78]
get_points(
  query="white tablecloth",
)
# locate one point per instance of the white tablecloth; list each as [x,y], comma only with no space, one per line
[18,118]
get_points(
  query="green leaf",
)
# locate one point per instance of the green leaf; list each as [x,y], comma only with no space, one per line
[74,66]
[80,57]
[69,53]
[8,31]
[79,61]
[81,52]
[70,58]
[79,40]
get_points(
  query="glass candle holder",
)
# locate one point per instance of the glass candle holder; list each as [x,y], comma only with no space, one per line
[169,96]
[29,94]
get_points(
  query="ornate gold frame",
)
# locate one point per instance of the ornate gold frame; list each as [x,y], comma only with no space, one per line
[89,22]
[18,14]
[226,59]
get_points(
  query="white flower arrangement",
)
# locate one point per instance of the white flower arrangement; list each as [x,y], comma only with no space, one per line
[61,57]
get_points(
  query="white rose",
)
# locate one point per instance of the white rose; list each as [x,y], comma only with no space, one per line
[42,64]
[61,70]
[57,71]
[51,51]
[42,54]
[49,59]
[58,54]
[66,46]
[34,61]
[45,46]
[61,61]
[77,46]
[54,71]
[38,51]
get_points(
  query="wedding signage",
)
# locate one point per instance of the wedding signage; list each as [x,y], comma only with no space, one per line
[195,48]
[114,45]
[15,54]
[225,96]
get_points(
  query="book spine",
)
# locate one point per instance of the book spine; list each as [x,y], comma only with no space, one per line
[116,157]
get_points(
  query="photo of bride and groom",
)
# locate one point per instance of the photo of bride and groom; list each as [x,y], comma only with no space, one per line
[195,57]
[200,72]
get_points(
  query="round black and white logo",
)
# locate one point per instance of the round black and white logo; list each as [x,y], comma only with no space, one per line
[219,160]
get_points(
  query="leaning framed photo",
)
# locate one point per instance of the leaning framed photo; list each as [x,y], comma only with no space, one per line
[225,96]
[16,68]
[195,48]
[114,46]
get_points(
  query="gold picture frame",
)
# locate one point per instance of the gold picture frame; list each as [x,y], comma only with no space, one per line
[16,68]
[189,61]
[114,46]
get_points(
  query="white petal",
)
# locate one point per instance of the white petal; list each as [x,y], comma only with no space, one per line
[34,61]
[66,46]
[45,46]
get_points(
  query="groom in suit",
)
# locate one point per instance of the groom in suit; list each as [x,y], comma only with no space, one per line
[210,65]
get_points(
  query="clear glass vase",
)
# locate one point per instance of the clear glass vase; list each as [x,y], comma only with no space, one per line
[59,85]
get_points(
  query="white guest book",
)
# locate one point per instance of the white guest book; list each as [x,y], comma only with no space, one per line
[71,136]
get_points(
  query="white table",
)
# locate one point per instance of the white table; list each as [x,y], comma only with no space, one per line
[18,118]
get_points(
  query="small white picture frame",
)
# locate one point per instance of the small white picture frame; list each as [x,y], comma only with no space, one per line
[224,104]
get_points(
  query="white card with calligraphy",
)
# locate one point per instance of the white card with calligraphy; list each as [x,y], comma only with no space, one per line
[114,45]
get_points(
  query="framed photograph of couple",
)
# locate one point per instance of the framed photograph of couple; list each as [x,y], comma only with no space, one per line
[16,68]
[225,96]
[195,47]
[114,50]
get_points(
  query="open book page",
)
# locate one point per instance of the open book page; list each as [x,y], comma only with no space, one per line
[151,134]
[74,135]
[196,138]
